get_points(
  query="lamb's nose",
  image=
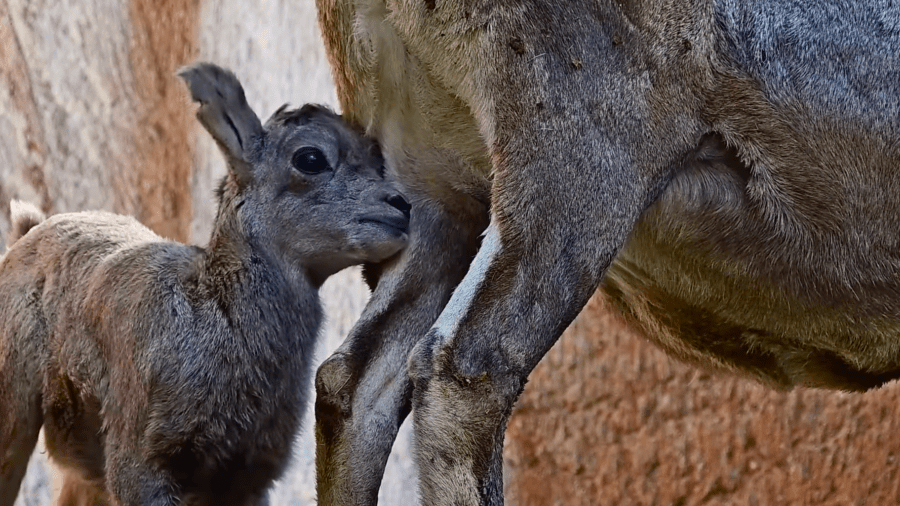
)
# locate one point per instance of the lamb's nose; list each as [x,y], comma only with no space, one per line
[400,203]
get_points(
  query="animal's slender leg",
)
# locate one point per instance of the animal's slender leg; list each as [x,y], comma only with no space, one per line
[580,149]
[363,390]
[20,401]
[515,302]
[565,201]
[20,423]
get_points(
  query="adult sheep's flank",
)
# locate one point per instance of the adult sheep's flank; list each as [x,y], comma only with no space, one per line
[170,374]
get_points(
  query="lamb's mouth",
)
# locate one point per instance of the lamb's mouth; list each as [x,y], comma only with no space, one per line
[397,224]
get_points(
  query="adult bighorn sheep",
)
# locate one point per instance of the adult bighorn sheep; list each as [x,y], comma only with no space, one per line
[727,171]
[169,374]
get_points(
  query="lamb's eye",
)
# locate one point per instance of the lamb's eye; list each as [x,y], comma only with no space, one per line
[310,161]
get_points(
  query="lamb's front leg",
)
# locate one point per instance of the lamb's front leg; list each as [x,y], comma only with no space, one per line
[132,480]
[363,390]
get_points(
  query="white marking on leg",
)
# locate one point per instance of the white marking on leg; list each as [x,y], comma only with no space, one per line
[450,317]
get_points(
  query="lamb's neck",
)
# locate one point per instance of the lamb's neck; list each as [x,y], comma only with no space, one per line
[257,290]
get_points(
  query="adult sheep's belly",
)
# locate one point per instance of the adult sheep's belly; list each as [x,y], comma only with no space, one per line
[721,312]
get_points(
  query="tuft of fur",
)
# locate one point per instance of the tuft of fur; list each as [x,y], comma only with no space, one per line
[23,216]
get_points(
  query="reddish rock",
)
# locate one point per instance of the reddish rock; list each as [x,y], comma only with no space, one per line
[607,418]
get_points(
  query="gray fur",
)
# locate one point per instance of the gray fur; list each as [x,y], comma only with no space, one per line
[725,171]
[168,374]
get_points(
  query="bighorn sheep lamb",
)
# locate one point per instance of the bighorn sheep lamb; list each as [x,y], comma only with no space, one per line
[169,374]
[726,171]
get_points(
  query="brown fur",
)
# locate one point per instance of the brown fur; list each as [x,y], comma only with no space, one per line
[23,217]
[169,374]
[725,169]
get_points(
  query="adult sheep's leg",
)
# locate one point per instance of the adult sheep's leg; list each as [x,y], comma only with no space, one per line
[363,390]
[570,182]
[529,280]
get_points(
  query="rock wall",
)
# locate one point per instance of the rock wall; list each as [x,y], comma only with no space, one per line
[607,418]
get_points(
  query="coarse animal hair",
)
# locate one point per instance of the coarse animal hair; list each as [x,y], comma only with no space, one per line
[168,374]
[23,216]
[725,171]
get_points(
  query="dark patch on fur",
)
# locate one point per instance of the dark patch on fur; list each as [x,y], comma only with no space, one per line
[518,46]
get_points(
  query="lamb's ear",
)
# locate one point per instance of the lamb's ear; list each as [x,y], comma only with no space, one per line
[224,112]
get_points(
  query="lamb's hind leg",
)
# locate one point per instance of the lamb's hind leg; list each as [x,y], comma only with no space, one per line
[363,391]
[20,415]
[22,352]
[19,428]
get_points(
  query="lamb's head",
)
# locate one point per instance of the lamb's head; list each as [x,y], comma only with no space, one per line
[306,180]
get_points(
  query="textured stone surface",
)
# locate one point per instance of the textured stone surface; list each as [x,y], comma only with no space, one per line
[609,419]
[64,105]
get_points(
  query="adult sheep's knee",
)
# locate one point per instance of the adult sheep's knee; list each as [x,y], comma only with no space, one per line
[164,373]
